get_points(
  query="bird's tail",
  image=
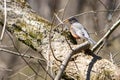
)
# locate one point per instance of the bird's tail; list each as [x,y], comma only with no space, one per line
[91,41]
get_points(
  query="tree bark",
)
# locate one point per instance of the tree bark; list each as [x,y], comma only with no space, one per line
[38,33]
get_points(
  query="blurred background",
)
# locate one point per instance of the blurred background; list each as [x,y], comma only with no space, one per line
[96,15]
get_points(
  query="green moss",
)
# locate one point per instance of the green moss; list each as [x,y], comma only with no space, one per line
[33,34]
[28,42]
[36,35]
[104,75]
[21,2]
[17,28]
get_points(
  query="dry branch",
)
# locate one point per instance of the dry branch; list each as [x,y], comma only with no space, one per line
[64,64]
[106,36]
[23,55]
[33,31]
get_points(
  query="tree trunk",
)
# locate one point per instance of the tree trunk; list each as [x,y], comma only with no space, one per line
[46,38]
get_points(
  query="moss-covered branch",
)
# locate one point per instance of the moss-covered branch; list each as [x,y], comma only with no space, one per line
[24,23]
[34,31]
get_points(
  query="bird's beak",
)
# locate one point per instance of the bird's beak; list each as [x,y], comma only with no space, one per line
[66,21]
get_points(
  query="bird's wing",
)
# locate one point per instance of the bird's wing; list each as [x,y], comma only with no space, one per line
[80,30]
[80,34]
[85,33]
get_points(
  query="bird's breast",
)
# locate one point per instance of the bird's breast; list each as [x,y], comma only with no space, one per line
[73,32]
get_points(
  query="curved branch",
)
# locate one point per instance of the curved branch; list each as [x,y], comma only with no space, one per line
[82,46]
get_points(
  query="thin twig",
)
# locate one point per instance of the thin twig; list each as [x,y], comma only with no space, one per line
[78,70]
[23,55]
[63,23]
[16,53]
[5,20]
[88,12]
[58,18]
[45,69]
[64,64]
[31,77]
[103,4]
[111,58]
[68,44]
[116,54]
[106,36]
[116,9]
[52,51]
[28,64]
[67,2]
[101,46]
[6,46]
[23,74]
[5,69]
[50,45]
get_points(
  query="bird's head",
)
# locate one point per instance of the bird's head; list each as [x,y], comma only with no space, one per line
[72,20]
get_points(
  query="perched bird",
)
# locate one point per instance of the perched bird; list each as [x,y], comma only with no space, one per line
[78,31]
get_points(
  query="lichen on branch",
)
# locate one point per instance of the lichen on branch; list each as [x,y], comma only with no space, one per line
[34,31]
[25,24]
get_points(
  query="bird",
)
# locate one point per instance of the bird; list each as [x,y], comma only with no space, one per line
[78,31]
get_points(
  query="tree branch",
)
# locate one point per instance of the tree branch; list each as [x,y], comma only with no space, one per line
[23,55]
[33,30]
[5,19]
[106,36]
[82,46]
